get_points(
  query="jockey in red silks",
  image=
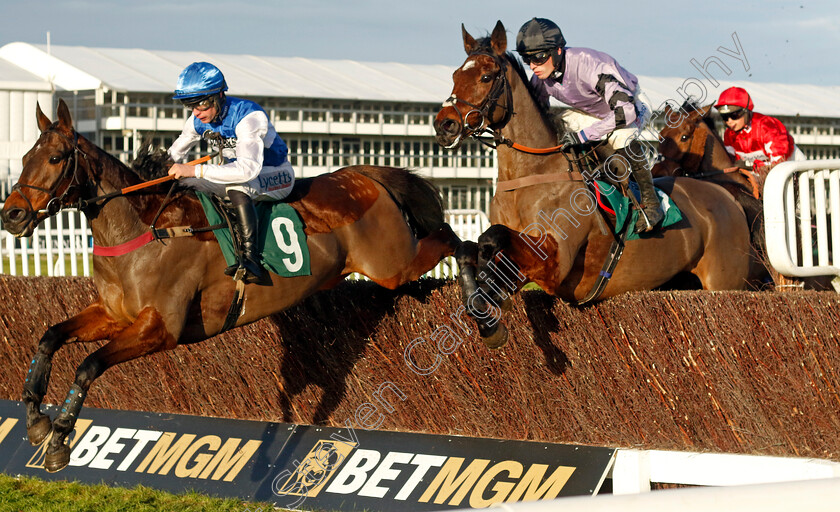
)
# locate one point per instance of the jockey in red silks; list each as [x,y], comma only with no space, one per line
[759,142]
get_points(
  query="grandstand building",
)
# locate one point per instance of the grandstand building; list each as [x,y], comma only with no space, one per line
[332,113]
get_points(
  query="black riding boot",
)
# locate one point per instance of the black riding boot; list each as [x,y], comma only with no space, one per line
[651,213]
[245,224]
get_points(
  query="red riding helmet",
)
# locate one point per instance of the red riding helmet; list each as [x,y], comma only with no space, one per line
[732,99]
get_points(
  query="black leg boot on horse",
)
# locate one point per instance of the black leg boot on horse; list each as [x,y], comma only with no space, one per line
[651,212]
[244,218]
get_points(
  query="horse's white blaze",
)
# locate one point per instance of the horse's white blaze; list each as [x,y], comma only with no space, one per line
[467,65]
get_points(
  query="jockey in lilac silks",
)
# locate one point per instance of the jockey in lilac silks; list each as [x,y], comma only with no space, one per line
[605,101]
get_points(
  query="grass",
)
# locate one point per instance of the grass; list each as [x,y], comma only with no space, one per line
[25,493]
[5,268]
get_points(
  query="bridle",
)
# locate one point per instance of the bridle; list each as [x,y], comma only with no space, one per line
[70,171]
[705,168]
[490,102]
[486,125]
[704,165]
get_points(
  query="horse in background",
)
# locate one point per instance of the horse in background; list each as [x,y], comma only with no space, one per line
[546,225]
[690,146]
[161,295]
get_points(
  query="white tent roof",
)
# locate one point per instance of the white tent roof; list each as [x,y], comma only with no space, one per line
[13,77]
[138,70]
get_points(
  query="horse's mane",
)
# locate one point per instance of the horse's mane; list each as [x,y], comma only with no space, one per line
[483,46]
[691,105]
[151,162]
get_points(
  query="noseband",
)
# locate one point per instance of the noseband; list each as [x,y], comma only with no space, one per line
[500,87]
[70,171]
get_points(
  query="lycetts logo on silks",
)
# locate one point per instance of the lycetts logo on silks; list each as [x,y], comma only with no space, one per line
[276,181]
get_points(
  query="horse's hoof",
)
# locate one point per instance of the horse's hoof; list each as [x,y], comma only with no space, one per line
[498,339]
[39,430]
[57,461]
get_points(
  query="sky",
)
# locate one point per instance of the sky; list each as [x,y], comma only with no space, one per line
[794,42]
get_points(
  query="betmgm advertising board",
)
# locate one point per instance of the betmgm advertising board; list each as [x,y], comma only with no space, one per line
[305,467]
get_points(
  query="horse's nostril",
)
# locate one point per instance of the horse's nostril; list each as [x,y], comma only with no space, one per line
[13,216]
[449,126]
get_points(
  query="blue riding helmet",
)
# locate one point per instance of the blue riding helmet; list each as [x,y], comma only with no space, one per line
[198,80]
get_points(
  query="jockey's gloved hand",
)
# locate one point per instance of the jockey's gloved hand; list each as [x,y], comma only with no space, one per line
[571,139]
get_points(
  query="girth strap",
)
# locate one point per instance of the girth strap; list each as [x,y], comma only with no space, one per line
[148,236]
[606,273]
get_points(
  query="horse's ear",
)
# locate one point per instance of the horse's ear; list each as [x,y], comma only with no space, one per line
[667,110]
[469,41]
[64,119]
[704,111]
[498,39]
[43,121]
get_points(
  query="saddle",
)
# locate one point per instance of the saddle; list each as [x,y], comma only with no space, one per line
[282,241]
[618,205]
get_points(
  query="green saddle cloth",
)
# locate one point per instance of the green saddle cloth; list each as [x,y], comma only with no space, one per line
[282,242]
[621,205]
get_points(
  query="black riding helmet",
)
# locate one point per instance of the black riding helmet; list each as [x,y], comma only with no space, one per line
[539,35]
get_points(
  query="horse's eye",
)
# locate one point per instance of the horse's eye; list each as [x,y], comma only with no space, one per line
[684,138]
[55,159]
[486,78]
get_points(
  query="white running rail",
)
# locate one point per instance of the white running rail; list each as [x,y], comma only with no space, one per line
[62,245]
[802,218]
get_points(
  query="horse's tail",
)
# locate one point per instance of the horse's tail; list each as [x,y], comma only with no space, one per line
[417,197]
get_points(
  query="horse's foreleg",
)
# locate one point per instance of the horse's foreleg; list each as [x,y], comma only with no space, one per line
[148,334]
[497,273]
[498,278]
[91,324]
[466,256]
[476,302]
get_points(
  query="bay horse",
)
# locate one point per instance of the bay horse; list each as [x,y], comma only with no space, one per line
[690,146]
[162,295]
[545,226]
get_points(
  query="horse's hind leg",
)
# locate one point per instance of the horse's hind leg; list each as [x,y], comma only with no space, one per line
[410,261]
[725,264]
[431,250]
[148,334]
[90,324]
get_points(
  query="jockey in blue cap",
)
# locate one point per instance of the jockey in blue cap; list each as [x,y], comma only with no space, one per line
[605,101]
[255,157]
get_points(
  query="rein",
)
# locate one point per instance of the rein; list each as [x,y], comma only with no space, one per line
[500,139]
[486,125]
[140,186]
[153,233]
[71,171]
